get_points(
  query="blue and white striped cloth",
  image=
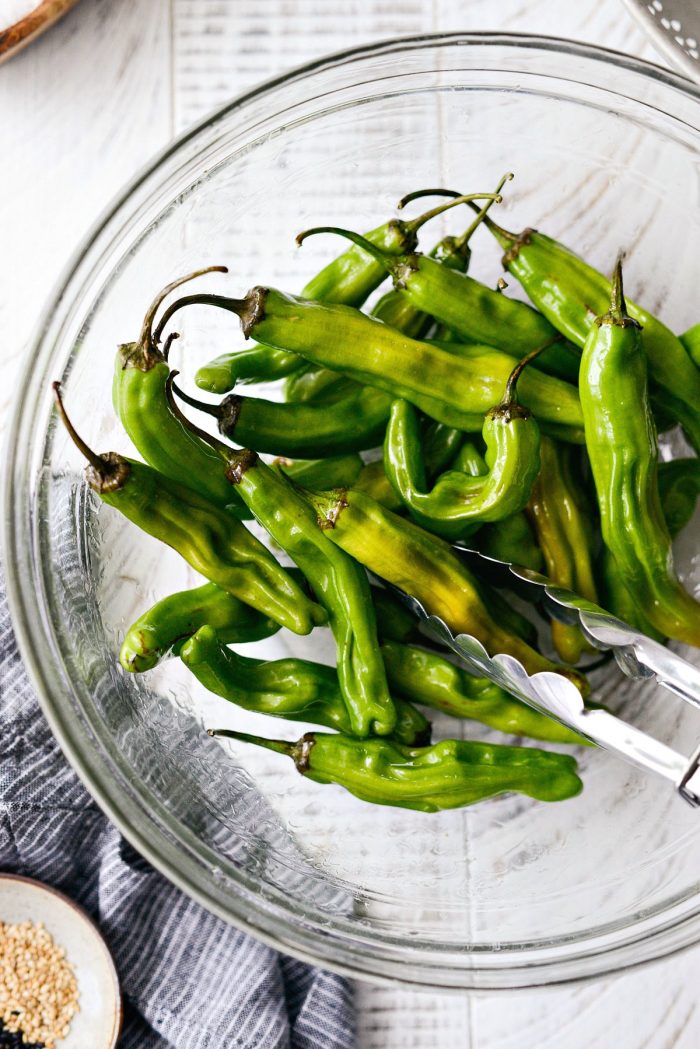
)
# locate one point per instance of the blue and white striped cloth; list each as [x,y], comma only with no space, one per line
[189,981]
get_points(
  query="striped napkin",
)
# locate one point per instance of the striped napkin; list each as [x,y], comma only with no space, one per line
[189,980]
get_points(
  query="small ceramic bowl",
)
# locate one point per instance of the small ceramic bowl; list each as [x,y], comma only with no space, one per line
[99,1020]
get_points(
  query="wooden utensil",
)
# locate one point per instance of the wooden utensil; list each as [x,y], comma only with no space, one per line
[13,38]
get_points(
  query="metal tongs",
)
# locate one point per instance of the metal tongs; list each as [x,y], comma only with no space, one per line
[637,655]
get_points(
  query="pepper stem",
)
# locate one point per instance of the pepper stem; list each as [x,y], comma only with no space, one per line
[491,198]
[237,306]
[418,193]
[376,252]
[147,328]
[97,462]
[299,751]
[280,746]
[219,447]
[463,241]
[510,396]
[618,306]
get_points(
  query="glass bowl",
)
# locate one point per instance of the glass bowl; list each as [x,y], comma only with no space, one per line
[510,893]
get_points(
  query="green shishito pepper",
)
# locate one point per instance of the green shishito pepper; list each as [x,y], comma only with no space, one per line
[459,501]
[306,431]
[468,308]
[447,775]
[425,567]
[347,280]
[338,582]
[138,393]
[212,541]
[451,389]
[563,532]
[511,540]
[622,447]
[679,487]
[170,622]
[290,688]
[396,308]
[431,680]
[335,472]
[571,294]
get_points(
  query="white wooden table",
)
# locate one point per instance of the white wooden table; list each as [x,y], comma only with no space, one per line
[80,112]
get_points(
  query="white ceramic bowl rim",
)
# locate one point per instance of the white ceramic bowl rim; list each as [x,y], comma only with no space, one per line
[168,846]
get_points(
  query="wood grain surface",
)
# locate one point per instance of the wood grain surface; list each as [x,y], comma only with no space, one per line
[81,111]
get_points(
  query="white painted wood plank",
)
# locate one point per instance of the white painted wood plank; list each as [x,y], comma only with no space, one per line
[82,109]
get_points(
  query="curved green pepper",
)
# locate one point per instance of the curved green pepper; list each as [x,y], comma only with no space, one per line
[348,280]
[338,471]
[212,541]
[457,501]
[691,343]
[450,389]
[511,540]
[622,447]
[422,565]
[563,532]
[290,688]
[429,679]
[307,431]
[138,393]
[373,481]
[339,584]
[309,385]
[468,308]
[396,308]
[254,365]
[447,775]
[571,294]
[679,487]
[165,627]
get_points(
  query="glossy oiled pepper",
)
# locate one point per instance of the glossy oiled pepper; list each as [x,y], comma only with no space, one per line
[317,384]
[422,565]
[511,540]
[458,502]
[447,775]
[679,487]
[338,582]
[254,365]
[468,308]
[429,679]
[164,628]
[373,481]
[563,530]
[138,392]
[450,389]
[395,307]
[347,280]
[212,541]
[571,294]
[622,447]
[307,431]
[335,472]
[290,688]
[691,343]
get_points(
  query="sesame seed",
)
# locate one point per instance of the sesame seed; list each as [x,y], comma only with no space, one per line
[38,991]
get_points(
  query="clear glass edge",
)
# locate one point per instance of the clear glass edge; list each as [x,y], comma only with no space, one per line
[444,969]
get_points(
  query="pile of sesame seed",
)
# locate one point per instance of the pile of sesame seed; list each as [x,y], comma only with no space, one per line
[38,990]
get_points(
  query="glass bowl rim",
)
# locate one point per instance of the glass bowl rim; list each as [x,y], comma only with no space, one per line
[378,959]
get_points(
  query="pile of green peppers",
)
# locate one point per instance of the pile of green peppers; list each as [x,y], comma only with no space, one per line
[440,411]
